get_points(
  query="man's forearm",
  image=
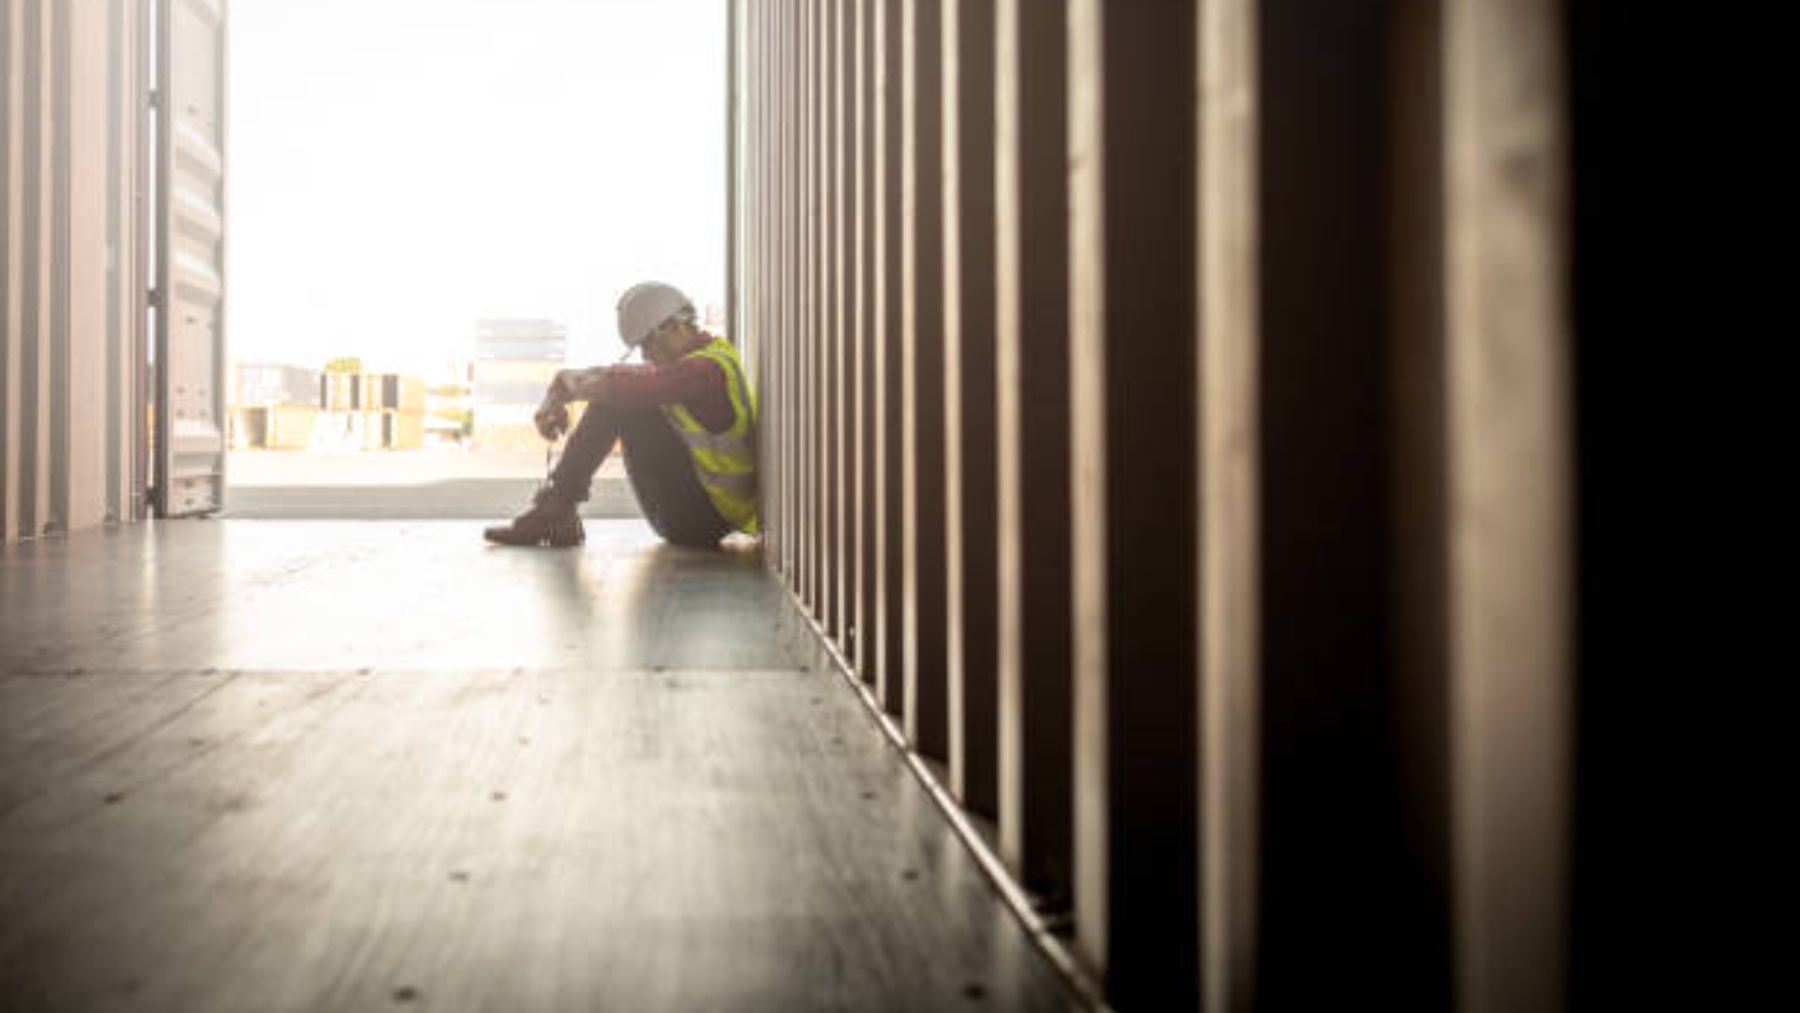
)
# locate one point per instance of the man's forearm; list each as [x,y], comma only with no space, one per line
[696,381]
[578,385]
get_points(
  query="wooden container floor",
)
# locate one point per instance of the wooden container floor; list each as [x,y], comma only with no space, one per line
[259,765]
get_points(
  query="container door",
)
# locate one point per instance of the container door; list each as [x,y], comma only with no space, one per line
[190,257]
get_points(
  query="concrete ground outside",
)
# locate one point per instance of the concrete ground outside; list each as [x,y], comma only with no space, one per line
[435,484]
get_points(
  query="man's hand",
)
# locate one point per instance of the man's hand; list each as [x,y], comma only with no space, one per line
[551,422]
[552,416]
[551,419]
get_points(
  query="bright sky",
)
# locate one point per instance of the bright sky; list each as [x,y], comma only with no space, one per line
[400,168]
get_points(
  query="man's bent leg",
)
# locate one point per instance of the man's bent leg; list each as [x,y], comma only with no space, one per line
[585,451]
[552,518]
[662,475]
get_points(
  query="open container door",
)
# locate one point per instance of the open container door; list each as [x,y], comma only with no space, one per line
[190,257]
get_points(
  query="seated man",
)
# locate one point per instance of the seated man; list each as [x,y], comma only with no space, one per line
[687,420]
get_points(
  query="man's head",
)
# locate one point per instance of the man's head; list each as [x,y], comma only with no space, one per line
[659,319]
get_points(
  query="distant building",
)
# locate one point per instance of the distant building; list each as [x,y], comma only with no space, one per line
[274,406]
[268,383]
[370,411]
[514,362]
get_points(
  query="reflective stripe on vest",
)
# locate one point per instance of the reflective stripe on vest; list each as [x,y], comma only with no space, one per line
[724,462]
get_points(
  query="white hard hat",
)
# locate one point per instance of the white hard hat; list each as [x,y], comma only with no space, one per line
[645,306]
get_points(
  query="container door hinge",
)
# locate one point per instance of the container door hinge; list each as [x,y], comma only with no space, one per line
[154,297]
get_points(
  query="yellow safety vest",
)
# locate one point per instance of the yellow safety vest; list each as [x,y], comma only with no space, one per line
[725,462]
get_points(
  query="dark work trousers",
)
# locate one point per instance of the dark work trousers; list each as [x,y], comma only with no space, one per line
[662,475]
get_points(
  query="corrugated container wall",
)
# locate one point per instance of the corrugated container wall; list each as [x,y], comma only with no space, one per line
[70,391]
[1168,429]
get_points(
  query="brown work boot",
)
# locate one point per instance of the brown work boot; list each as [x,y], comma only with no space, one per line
[550,520]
